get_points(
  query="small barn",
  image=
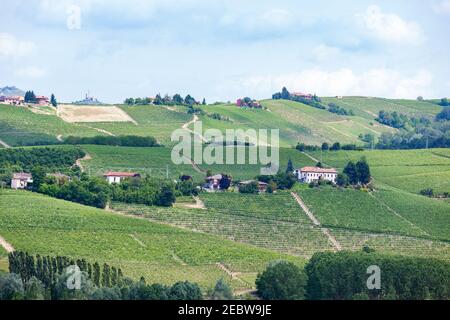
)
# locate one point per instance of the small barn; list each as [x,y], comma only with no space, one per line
[21,180]
[262,186]
[118,177]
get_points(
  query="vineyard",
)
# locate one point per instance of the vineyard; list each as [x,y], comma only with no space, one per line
[368,108]
[273,222]
[46,226]
[155,162]
[409,170]
[296,121]
[276,222]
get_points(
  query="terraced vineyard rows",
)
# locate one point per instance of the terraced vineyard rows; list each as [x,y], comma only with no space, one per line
[393,244]
[43,225]
[274,222]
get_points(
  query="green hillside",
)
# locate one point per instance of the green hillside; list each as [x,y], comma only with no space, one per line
[296,121]
[409,170]
[277,222]
[156,121]
[47,226]
[369,108]
[386,211]
[20,125]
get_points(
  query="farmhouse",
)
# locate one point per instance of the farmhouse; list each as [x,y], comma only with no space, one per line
[213,182]
[262,186]
[310,174]
[13,100]
[42,100]
[306,96]
[21,180]
[117,177]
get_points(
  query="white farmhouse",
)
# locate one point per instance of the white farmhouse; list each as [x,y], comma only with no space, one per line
[117,177]
[21,180]
[310,174]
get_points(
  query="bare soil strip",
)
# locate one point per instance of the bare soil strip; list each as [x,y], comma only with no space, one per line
[6,245]
[178,259]
[138,241]
[233,275]
[187,124]
[4,144]
[85,158]
[197,205]
[79,113]
[317,223]
[100,130]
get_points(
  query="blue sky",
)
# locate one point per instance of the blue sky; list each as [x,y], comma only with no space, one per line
[223,50]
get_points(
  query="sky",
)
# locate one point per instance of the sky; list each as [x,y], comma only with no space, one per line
[223,50]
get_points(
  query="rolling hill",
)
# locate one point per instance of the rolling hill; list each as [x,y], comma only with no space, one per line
[233,233]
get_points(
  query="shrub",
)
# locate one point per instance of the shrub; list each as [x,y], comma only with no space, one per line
[281,281]
[427,192]
[221,291]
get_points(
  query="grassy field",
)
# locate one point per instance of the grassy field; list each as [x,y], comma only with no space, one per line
[20,124]
[151,161]
[43,225]
[296,121]
[369,108]
[156,121]
[409,170]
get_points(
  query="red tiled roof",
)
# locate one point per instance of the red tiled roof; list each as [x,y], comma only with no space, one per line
[121,174]
[318,170]
[22,176]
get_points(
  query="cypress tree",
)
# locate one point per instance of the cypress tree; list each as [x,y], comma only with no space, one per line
[106,276]
[350,171]
[363,171]
[96,276]
[113,276]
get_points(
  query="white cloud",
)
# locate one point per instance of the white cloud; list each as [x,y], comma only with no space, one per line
[271,20]
[10,46]
[375,82]
[442,7]
[31,72]
[324,52]
[390,27]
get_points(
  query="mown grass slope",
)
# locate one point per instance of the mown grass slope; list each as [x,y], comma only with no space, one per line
[297,122]
[47,226]
[368,107]
[155,121]
[20,125]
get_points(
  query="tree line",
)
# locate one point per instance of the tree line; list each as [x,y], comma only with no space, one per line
[344,276]
[27,158]
[44,277]
[122,141]
[167,100]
